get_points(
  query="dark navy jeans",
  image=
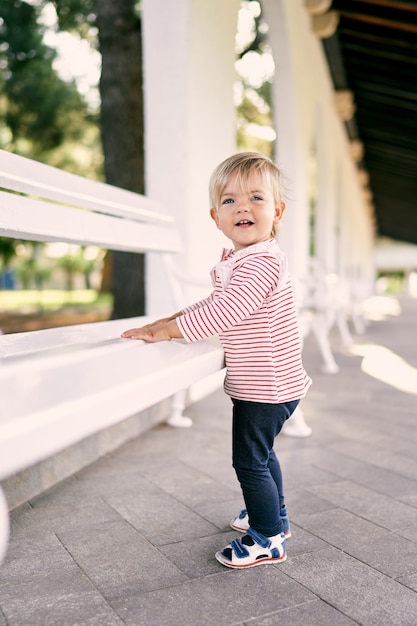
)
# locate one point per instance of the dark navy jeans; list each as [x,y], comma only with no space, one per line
[255,426]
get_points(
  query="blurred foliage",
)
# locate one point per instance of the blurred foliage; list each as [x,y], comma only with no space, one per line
[74,264]
[7,251]
[77,16]
[41,115]
[254,101]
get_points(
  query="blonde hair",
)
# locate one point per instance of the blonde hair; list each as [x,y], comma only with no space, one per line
[242,165]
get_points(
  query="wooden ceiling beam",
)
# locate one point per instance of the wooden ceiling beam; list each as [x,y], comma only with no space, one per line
[374,54]
[378,39]
[392,4]
[380,54]
[379,21]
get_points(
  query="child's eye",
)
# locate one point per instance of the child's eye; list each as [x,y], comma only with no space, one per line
[257,198]
[227,201]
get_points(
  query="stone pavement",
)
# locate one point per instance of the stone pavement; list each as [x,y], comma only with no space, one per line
[131,539]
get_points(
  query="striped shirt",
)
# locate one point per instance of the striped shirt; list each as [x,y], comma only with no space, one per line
[252,310]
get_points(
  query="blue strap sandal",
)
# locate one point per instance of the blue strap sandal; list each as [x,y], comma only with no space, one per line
[253,549]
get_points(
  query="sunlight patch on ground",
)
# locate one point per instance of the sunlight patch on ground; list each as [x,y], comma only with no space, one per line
[386,366]
[377,308]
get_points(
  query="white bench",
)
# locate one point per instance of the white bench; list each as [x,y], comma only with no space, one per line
[61,385]
[324,301]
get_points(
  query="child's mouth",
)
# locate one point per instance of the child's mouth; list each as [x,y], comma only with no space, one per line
[244,223]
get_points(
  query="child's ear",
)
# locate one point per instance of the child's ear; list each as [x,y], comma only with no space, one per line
[279,212]
[214,216]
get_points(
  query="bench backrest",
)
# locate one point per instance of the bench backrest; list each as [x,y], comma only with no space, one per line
[43,203]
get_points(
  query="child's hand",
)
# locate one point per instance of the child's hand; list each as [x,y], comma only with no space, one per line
[161,330]
[150,333]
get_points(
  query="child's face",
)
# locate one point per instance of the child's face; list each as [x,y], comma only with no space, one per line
[246,213]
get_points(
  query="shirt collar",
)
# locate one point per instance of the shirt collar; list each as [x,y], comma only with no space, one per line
[270,245]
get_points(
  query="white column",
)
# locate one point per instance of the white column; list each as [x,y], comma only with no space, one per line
[326,243]
[189,55]
[292,149]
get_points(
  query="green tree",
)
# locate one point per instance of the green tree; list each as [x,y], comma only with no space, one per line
[76,263]
[120,45]
[7,251]
[121,84]
[38,110]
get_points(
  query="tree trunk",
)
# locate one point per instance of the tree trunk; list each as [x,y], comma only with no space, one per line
[122,133]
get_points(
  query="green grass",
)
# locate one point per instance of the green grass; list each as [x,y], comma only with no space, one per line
[53,299]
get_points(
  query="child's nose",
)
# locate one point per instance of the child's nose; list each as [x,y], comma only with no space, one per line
[242,207]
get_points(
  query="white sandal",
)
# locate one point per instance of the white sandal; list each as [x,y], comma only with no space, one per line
[253,549]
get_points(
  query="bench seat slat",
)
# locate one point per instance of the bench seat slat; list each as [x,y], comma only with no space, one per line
[58,400]
[30,177]
[37,342]
[26,218]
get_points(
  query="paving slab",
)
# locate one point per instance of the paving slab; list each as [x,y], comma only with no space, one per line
[354,588]
[119,561]
[316,613]
[222,599]
[369,504]
[365,541]
[52,589]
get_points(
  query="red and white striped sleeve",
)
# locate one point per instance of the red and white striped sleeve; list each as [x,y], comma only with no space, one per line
[251,282]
